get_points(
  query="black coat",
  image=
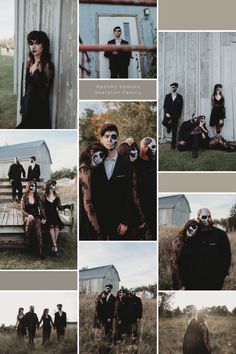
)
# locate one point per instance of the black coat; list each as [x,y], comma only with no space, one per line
[191,338]
[112,199]
[15,171]
[211,259]
[60,321]
[31,320]
[33,174]
[135,308]
[109,308]
[185,130]
[120,59]
[174,108]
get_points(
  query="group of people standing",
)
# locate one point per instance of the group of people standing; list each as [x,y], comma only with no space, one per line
[200,255]
[37,212]
[29,322]
[193,133]
[126,309]
[118,188]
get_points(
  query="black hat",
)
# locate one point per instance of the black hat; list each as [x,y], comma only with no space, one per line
[109,286]
[175,84]
[33,157]
[109,127]
[59,305]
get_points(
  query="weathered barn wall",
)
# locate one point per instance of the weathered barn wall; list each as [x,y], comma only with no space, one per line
[181,212]
[58,18]
[97,285]
[89,14]
[198,61]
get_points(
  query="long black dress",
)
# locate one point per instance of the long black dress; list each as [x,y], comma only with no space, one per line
[218,110]
[47,327]
[35,103]
[21,328]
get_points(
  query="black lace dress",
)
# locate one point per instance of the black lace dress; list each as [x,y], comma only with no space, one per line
[218,110]
[52,216]
[35,109]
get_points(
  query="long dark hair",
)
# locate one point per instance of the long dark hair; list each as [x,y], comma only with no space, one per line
[183,232]
[216,88]
[47,187]
[27,191]
[44,313]
[42,38]
[85,156]
[124,149]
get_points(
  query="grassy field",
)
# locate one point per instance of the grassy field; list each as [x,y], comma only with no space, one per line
[67,245]
[208,160]
[9,344]
[7,98]
[166,235]
[90,345]
[222,335]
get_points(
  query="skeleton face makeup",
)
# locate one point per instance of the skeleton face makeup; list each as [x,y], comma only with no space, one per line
[192,229]
[152,146]
[133,154]
[97,158]
[204,216]
[32,188]
[53,187]
[110,140]
[173,88]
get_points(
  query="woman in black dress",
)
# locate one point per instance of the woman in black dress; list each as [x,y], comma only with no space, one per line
[35,109]
[218,110]
[91,157]
[121,316]
[99,319]
[47,325]
[20,324]
[34,216]
[52,203]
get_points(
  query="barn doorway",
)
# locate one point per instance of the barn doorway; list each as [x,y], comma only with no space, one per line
[129,28]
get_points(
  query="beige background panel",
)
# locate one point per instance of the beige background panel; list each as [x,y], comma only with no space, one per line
[197,15]
[197,182]
[117,89]
[38,280]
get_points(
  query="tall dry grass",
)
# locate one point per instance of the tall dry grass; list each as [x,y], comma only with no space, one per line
[166,236]
[9,344]
[222,335]
[90,345]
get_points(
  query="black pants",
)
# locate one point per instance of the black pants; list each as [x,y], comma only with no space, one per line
[119,72]
[60,334]
[16,185]
[194,143]
[174,127]
[31,331]
[108,327]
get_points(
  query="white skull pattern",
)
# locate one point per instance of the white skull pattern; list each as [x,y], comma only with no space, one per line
[151,143]
[97,158]
[205,216]
[192,229]
[133,154]
[113,139]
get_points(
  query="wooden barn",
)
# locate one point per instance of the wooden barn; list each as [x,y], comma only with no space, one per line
[174,210]
[58,18]
[198,61]
[39,149]
[138,24]
[93,280]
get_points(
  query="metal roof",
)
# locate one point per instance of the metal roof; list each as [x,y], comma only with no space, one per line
[98,272]
[169,202]
[22,150]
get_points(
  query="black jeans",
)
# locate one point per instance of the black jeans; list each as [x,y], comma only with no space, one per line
[119,72]
[16,185]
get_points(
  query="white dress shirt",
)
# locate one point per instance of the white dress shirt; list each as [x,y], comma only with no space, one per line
[109,165]
[174,95]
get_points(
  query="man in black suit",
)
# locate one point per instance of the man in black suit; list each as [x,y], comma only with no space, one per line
[118,60]
[60,322]
[31,322]
[109,311]
[135,312]
[173,106]
[33,170]
[14,173]
[111,188]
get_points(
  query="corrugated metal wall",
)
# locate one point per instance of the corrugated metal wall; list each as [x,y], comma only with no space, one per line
[58,18]
[197,61]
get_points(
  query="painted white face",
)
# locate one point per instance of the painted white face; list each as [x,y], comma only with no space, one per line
[133,154]
[109,140]
[192,229]
[97,158]
[32,188]
[205,216]
[151,143]
[53,187]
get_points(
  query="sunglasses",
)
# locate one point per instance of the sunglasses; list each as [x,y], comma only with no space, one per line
[117,30]
[32,42]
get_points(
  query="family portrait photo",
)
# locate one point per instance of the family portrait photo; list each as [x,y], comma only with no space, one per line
[197,111]
[38,322]
[197,322]
[38,81]
[38,200]
[117,170]
[197,241]
[121,40]
[117,301]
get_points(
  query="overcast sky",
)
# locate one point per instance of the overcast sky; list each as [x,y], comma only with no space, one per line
[218,204]
[6,19]
[134,261]
[204,299]
[62,144]
[11,301]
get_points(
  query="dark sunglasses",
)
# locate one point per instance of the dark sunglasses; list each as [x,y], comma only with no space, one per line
[117,30]
[32,42]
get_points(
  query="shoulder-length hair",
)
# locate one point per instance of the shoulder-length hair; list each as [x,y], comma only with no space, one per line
[48,185]
[20,309]
[183,232]
[44,313]
[216,88]
[86,155]
[42,38]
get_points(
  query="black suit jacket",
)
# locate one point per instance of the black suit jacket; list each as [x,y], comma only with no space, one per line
[174,108]
[60,322]
[120,59]
[109,307]
[33,174]
[112,199]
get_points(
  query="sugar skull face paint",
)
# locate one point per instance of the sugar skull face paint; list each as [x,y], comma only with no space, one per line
[97,158]
[109,140]
[192,230]
[204,215]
